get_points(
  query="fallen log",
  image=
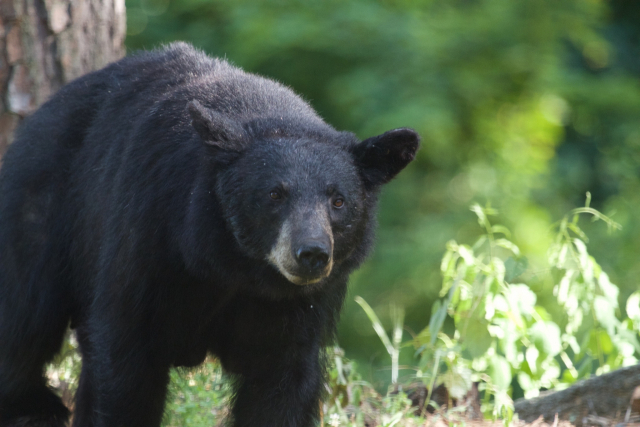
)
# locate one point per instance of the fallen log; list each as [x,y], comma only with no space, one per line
[609,395]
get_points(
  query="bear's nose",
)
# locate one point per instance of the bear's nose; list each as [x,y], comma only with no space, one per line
[313,257]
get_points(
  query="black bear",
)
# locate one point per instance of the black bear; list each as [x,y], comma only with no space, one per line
[168,206]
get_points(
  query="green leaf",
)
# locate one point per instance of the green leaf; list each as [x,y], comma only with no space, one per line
[501,229]
[397,417]
[599,343]
[507,244]
[467,254]
[562,255]
[572,342]
[568,376]
[550,370]
[578,231]
[477,209]
[438,314]
[496,275]
[562,290]
[447,266]
[375,322]
[628,336]
[500,372]
[546,337]
[457,381]
[514,268]
[542,312]
[510,341]
[584,371]
[633,306]
[609,290]
[481,240]
[583,258]
[526,382]
[476,338]
[605,313]
[523,297]
[531,356]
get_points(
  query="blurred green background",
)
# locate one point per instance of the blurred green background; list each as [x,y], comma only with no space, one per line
[523,104]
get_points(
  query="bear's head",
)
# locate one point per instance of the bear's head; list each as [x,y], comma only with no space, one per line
[301,201]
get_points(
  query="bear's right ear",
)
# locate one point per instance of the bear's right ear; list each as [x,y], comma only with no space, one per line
[215,129]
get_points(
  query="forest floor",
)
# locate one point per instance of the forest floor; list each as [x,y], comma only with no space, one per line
[608,400]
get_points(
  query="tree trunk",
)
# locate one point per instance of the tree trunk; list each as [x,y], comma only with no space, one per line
[46,43]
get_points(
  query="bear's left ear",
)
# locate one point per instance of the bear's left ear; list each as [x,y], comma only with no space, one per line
[381,157]
[216,129]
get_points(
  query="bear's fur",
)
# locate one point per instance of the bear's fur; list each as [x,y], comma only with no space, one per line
[171,205]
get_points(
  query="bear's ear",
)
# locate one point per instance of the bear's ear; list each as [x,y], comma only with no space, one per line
[381,157]
[216,129]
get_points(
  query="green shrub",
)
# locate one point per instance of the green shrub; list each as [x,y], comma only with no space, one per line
[502,334]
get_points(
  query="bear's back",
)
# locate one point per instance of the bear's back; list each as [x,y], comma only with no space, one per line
[178,72]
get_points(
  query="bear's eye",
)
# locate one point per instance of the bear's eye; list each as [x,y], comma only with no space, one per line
[275,195]
[338,203]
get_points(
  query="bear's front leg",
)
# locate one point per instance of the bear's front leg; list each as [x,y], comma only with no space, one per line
[130,386]
[125,373]
[281,390]
[277,350]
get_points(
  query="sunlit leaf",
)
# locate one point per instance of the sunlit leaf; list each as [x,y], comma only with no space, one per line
[528,386]
[458,381]
[531,356]
[550,372]
[467,254]
[561,291]
[605,313]
[546,337]
[477,209]
[633,306]
[501,229]
[609,290]
[507,244]
[500,372]
[523,298]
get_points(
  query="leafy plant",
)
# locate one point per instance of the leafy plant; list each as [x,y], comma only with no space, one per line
[501,334]
[592,330]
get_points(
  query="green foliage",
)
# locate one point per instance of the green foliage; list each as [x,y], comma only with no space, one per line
[197,397]
[63,374]
[502,336]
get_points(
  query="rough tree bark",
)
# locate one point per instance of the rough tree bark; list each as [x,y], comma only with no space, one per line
[610,395]
[46,43]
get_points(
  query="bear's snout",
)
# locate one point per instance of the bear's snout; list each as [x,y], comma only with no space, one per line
[314,256]
[303,252]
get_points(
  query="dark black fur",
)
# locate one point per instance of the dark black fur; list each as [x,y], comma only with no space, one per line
[134,206]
